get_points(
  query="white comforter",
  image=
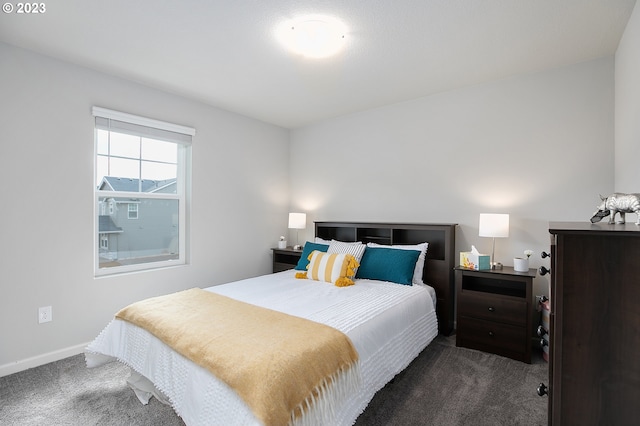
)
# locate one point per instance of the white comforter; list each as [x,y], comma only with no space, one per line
[389,324]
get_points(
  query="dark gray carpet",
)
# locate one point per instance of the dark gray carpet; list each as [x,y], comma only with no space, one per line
[444,386]
[67,393]
[447,386]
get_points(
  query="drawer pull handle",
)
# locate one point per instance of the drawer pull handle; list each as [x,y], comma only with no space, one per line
[491,333]
[492,309]
[542,390]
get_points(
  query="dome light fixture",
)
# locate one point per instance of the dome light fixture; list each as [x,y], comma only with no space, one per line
[313,36]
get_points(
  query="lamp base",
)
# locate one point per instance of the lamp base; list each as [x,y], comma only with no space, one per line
[496,265]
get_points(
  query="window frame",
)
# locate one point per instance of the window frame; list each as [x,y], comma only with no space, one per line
[131,210]
[181,195]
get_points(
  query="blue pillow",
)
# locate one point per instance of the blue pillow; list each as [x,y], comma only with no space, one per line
[388,264]
[306,251]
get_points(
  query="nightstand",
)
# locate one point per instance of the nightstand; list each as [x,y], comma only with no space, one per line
[286,258]
[494,311]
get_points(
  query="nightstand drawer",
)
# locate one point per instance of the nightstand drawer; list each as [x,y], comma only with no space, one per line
[279,267]
[502,339]
[493,308]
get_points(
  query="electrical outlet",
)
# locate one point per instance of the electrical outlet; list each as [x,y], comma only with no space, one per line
[45,314]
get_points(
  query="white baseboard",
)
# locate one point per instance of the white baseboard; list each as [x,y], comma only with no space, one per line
[36,361]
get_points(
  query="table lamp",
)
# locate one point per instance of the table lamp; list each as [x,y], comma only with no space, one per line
[297,221]
[494,225]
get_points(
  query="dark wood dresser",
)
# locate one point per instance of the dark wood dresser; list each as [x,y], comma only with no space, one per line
[594,365]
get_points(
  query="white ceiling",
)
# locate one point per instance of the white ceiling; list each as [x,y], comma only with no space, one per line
[224,52]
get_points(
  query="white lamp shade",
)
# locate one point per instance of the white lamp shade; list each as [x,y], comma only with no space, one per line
[494,225]
[297,220]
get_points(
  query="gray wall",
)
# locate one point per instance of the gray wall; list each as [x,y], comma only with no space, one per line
[539,147]
[240,199]
[627,152]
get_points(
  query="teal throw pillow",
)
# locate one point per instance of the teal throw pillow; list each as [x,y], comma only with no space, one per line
[388,264]
[306,251]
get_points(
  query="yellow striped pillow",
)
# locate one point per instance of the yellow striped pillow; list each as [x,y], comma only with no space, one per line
[336,268]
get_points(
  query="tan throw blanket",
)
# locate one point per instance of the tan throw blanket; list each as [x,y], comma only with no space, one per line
[279,364]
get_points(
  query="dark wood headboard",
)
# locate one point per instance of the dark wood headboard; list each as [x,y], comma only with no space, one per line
[438,271]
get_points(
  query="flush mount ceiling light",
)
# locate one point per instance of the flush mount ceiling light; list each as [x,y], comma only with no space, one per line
[313,36]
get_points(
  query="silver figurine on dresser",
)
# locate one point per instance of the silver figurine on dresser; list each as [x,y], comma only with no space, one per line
[617,203]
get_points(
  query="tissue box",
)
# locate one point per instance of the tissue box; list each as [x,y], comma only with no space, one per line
[474,261]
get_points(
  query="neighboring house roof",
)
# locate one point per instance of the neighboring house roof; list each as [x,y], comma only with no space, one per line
[111,183]
[106,226]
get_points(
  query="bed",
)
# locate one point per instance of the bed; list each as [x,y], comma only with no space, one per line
[388,325]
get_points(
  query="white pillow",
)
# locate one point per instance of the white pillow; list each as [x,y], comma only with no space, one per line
[319,240]
[422,248]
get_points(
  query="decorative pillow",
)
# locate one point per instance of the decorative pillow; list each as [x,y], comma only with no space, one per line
[422,248]
[330,267]
[323,241]
[388,264]
[354,249]
[306,251]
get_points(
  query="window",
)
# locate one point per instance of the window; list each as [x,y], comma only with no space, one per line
[140,192]
[133,211]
